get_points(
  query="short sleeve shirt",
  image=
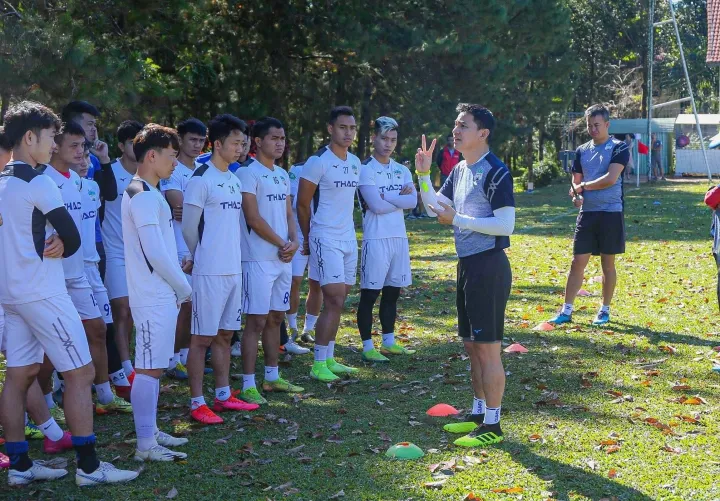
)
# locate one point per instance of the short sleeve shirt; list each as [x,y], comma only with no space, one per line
[144,205]
[271,189]
[26,196]
[333,205]
[389,179]
[219,195]
[178,180]
[593,161]
[73,266]
[476,191]
[112,222]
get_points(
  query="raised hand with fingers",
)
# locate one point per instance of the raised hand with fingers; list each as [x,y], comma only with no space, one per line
[424,156]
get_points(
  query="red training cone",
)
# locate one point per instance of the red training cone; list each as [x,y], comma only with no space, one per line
[544,326]
[442,410]
[515,348]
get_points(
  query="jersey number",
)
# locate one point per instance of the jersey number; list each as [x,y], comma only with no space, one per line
[286,298]
[239,314]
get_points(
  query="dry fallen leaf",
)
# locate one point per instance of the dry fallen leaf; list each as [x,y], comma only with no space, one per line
[435,485]
[338,495]
[668,349]
[172,494]
[508,490]
[535,437]
[608,442]
[681,387]
[674,450]
[471,497]
[612,473]
[694,401]
[612,449]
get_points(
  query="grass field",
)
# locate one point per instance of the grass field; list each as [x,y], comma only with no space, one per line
[588,413]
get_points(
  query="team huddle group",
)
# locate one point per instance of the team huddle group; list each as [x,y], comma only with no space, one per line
[183,246]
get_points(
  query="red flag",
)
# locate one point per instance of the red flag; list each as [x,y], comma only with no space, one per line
[643,148]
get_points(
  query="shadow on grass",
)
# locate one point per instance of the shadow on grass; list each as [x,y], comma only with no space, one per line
[570,482]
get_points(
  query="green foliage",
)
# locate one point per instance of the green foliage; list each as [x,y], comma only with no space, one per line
[545,172]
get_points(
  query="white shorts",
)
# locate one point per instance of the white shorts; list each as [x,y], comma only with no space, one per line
[216,304]
[49,327]
[299,263]
[92,272]
[385,261]
[83,298]
[154,335]
[266,287]
[333,261]
[115,277]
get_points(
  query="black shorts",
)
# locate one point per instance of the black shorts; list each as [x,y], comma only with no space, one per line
[599,233]
[483,289]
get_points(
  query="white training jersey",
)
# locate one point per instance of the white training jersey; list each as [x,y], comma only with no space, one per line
[178,181]
[294,175]
[333,203]
[219,195]
[389,180]
[73,266]
[26,196]
[271,189]
[90,193]
[111,227]
[144,205]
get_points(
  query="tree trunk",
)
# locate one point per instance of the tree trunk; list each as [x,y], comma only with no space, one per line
[364,130]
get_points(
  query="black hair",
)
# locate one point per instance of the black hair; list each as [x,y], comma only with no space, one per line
[5,143]
[598,109]
[154,137]
[340,111]
[222,126]
[262,127]
[483,117]
[191,125]
[128,130]
[73,110]
[69,129]
[28,116]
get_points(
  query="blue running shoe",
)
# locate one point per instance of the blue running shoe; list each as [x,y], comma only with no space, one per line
[561,318]
[177,372]
[602,318]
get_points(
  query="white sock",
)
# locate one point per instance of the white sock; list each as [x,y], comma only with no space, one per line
[292,320]
[104,393]
[310,321]
[248,381]
[492,415]
[119,378]
[388,339]
[368,345]
[320,353]
[49,400]
[223,393]
[144,399]
[478,406]
[183,355]
[567,309]
[271,373]
[605,308]
[331,350]
[195,402]
[51,430]
[127,367]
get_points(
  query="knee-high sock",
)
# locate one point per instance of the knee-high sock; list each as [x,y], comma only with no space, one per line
[114,362]
[388,308]
[365,311]
[144,396]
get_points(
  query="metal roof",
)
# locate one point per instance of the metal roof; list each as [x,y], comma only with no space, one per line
[639,125]
[705,119]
